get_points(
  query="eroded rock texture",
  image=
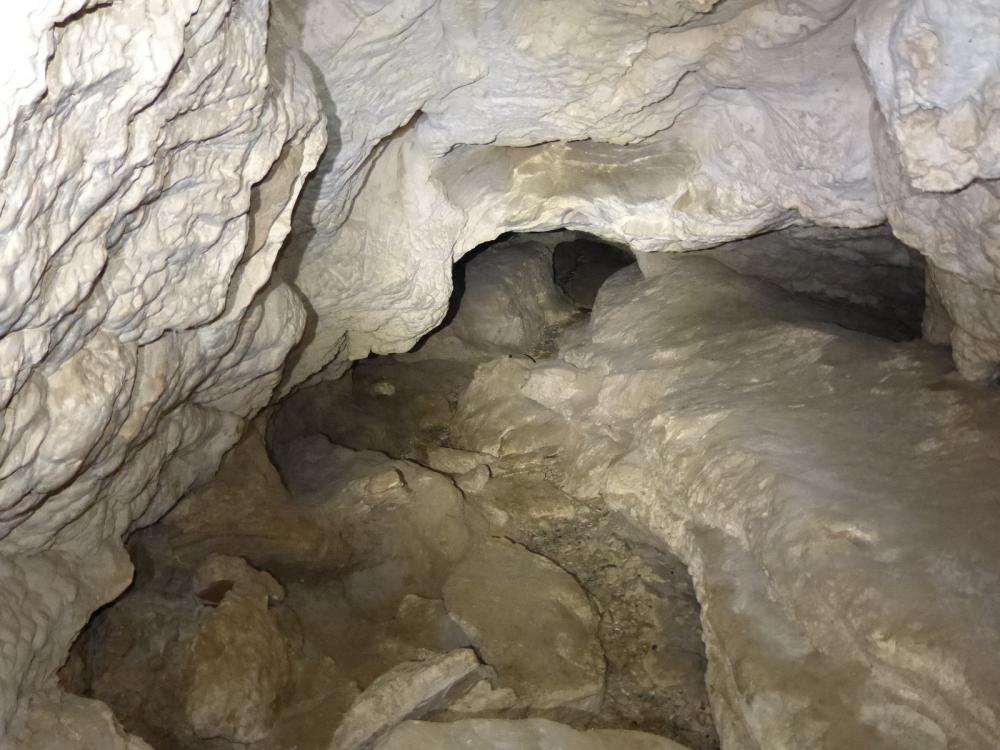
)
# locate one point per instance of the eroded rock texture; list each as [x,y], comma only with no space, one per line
[150,156]
[675,126]
[151,153]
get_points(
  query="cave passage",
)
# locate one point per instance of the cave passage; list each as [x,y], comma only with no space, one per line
[582,264]
[421,538]
[376,560]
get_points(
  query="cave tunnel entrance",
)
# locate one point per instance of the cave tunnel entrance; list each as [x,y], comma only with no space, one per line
[582,264]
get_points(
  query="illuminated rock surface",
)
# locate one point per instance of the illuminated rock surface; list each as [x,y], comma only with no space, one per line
[151,154]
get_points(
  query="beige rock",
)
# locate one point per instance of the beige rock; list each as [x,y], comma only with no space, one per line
[152,153]
[408,691]
[527,734]
[473,480]
[385,481]
[150,158]
[454,461]
[531,622]
[482,700]
[402,540]
[238,666]
[815,481]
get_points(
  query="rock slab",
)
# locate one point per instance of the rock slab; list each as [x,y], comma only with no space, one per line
[533,623]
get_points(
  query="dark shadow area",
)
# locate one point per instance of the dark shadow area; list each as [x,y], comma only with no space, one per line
[866,279]
[580,266]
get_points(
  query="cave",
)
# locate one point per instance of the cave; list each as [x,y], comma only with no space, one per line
[404,374]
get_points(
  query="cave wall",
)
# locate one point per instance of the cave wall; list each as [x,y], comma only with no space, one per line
[150,156]
[151,152]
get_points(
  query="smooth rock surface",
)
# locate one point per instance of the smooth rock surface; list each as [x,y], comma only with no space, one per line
[408,691]
[532,623]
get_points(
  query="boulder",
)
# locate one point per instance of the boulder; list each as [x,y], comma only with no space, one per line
[238,669]
[530,620]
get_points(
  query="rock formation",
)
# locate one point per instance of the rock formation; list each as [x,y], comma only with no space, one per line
[151,156]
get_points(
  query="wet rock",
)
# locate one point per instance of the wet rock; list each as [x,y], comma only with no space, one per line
[528,734]
[531,621]
[408,691]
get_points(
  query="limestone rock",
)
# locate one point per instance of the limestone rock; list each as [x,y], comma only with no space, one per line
[408,691]
[151,154]
[580,266]
[784,459]
[69,721]
[874,282]
[385,481]
[527,734]
[238,664]
[652,128]
[274,532]
[474,480]
[483,699]
[400,540]
[531,622]
[150,157]
[509,298]
[454,461]
[491,419]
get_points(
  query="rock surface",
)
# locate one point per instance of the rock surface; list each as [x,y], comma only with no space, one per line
[532,623]
[408,691]
[528,734]
[675,127]
[509,297]
[150,157]
[238,665]
[151,154]
[831,493]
